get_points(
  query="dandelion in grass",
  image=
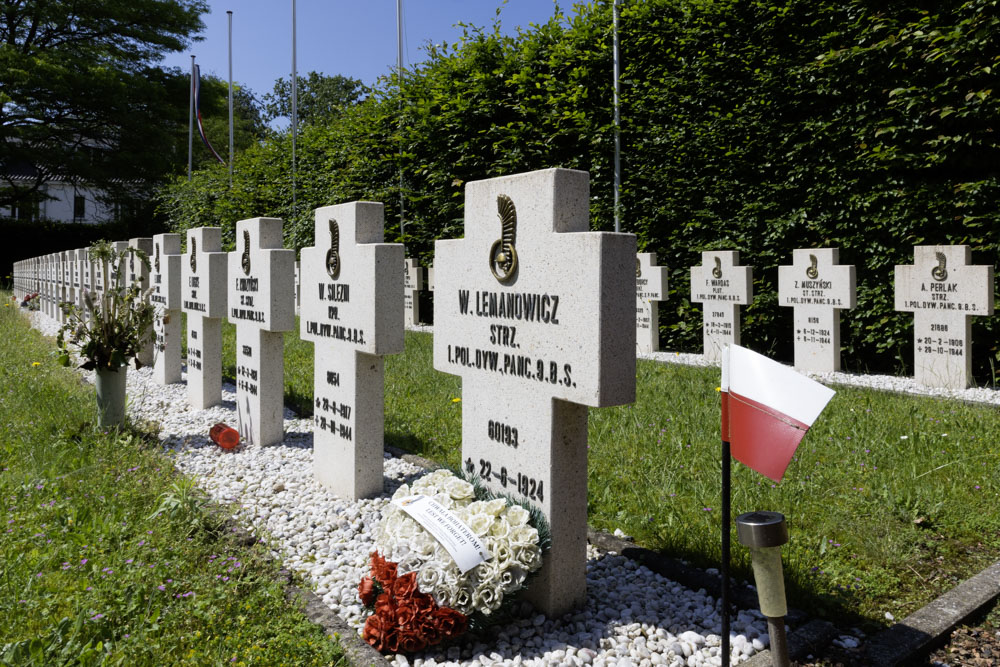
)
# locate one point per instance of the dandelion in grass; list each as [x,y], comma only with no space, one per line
[36,363]
[456,400]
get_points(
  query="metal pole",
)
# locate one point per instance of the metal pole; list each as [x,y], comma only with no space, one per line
[399,74]
[230,13]
[618,143]
[779,642]
[724,569]
[191,121]
[295,107]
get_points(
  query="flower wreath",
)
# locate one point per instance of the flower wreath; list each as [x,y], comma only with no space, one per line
[417,593]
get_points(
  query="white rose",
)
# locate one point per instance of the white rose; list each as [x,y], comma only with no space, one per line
[529,557]
[503,555]
[480,523]
[495,506]
[500,529]
[512,579]
[486,598]
[429,577]
[524,535]
[517,515]
[401,492]
[461,600]
[442,499]
[459,489]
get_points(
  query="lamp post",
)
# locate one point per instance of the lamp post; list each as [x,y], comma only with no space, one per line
[764,533]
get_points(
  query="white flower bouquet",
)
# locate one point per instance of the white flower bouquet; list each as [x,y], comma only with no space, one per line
[411,569]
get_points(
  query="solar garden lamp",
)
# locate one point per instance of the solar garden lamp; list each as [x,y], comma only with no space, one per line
[764,533]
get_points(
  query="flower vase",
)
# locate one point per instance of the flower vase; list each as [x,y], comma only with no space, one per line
[111,396]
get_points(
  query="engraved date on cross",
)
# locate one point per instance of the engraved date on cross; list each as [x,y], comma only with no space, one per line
[528,487]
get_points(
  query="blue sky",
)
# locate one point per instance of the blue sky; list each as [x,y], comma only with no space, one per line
[356,38]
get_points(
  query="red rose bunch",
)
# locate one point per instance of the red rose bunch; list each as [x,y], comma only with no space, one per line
[405,620]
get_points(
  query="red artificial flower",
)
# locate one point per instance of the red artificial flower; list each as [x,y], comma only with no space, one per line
[405,585]
[451,623]
[380,633]
[383,571]
[366,591]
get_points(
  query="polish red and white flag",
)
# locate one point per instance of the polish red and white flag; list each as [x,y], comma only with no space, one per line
[766,409]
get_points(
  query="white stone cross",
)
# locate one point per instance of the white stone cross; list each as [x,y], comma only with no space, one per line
[817,288]
[352,309]
[943,292]
[722,286]
[66,263]
[262,306]
[165,282]
[79,259]
[203,299]
[650,288]
[138,274]
[298,287]
[534,313]
[413,283]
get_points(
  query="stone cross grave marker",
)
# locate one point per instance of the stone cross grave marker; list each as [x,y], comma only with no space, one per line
[413,283]
[536,317]
[943,292]
[138,274]
[68,295]
[260,286]
[298,287]
[46,297]
[722,286]
[79,259]
[165,281]
[650,288]
[352,310]
[817,288]
[203,290]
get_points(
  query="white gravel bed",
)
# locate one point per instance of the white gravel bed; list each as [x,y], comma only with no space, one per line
[632,615]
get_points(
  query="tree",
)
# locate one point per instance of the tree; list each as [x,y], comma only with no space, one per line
[320,97]
[80,99]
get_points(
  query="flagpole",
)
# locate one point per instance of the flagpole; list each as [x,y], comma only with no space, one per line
[230,13]
[725,507]
[399,75]
[295,107]
[191,121]
[618,144]
[724,570]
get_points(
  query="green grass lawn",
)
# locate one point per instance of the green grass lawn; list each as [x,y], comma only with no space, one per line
[109,557]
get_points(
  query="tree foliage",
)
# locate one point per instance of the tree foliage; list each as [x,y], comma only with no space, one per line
[320,98]
[80,99]
[755,126]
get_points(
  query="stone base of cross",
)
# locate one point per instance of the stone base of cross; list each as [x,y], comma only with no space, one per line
[536,314]
[204,357]
[260,385]
[943,292]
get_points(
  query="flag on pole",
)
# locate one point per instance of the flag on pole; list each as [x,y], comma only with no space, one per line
[196,83]
[766,409]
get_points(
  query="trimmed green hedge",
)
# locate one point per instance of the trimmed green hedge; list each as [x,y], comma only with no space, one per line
[755,126]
